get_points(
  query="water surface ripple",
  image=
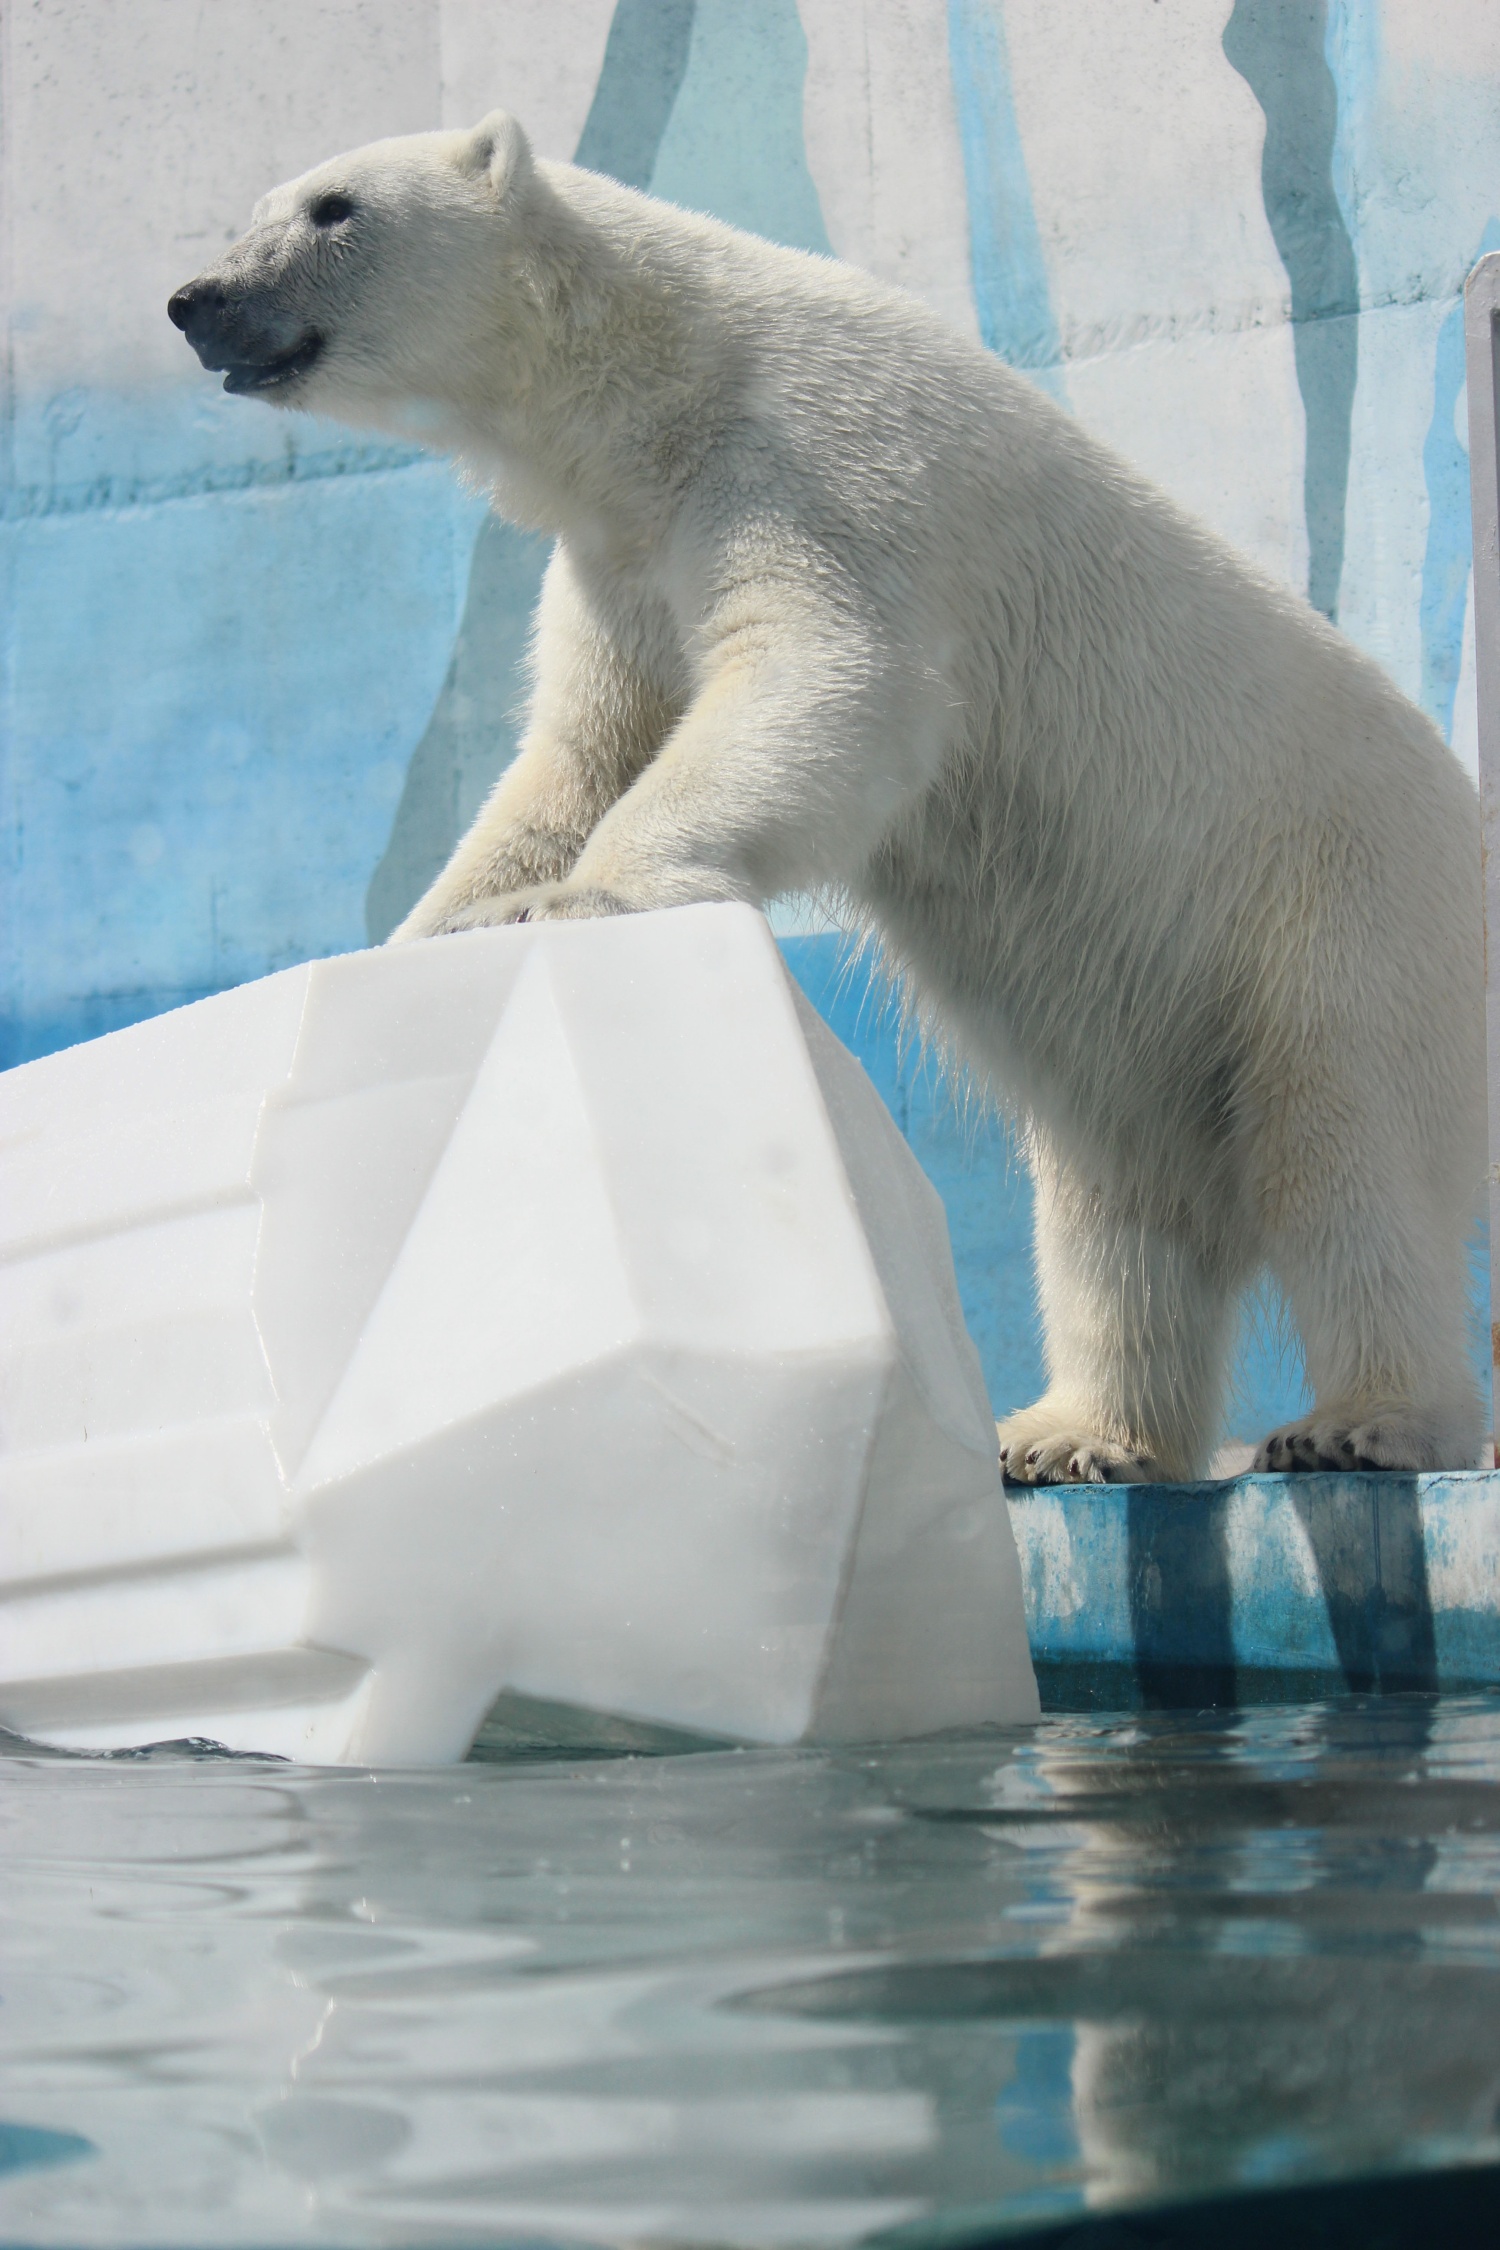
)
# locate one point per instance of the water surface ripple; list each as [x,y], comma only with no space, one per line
[749,1997]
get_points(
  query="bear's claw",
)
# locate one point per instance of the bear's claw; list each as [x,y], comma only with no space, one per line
[1073,1457]
[547,902]
[1332,1442]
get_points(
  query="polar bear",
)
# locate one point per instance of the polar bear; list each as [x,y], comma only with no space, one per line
[840,603]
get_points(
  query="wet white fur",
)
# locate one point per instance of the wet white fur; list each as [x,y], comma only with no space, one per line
[839,602]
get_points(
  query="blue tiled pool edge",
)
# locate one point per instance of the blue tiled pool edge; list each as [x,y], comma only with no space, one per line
[1260,1589]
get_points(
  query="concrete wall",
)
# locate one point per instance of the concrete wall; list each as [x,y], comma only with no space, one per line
[257,674]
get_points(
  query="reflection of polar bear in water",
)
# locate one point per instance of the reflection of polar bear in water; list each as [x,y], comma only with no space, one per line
[838,602]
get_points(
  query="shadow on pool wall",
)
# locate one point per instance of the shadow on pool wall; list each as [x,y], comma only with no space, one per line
[258,674]
[1182,1594]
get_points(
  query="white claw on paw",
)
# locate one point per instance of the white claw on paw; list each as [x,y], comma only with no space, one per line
[546,902]
[1070,1457]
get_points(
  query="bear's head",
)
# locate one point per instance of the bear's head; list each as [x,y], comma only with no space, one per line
[374,283]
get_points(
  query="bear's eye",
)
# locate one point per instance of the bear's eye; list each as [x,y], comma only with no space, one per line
[330,210]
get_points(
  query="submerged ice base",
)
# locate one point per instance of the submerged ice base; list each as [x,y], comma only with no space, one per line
[552,1309]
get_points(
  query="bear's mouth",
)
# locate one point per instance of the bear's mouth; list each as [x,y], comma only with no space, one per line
[264,375]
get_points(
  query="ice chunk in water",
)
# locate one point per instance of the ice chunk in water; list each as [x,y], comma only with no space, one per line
[552,1310]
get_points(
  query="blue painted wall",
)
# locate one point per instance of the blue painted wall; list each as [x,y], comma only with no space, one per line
[257,675]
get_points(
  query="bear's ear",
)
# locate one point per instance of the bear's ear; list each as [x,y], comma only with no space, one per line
[497,146]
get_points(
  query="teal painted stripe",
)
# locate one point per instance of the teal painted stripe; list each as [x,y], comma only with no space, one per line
[645,61]
[733,144]
[1280,49]
[31,2148]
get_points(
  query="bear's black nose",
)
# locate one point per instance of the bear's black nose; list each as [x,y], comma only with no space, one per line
[195,307]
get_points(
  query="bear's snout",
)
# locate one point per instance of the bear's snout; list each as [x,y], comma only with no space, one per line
[199,311]
[245,335]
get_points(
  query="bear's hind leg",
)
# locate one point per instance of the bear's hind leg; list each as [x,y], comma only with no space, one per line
[1380,1294]
[1137,1336]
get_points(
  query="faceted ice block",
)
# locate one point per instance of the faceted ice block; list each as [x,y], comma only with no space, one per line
[552,1310]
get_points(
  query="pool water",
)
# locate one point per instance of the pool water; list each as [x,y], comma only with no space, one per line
[937,1992]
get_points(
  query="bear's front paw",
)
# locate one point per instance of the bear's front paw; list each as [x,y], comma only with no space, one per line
[1033,1451]
[546,902]
[574,902]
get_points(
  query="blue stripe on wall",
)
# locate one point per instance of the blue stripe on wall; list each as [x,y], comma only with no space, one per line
[1012,298]
[1448,553]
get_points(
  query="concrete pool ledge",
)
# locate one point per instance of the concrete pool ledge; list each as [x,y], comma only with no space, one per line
[1260,1588]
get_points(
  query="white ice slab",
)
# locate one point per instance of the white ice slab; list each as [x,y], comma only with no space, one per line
[553,1310]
